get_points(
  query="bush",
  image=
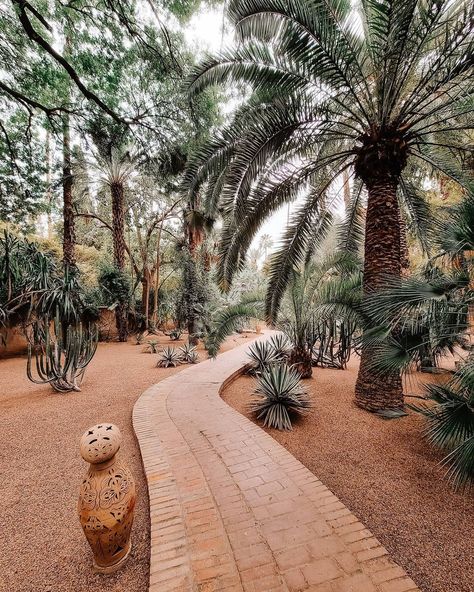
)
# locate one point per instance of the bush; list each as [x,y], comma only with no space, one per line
[278,395]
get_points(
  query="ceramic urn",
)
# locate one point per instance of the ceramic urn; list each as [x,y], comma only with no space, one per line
[107,498]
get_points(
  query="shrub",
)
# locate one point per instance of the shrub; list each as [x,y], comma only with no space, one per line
[170,356]
[278,394]
[262,356]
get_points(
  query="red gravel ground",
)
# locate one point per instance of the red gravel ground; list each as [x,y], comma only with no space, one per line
[43,548]
[387,475]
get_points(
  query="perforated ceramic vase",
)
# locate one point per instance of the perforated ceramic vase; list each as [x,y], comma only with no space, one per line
[107,498]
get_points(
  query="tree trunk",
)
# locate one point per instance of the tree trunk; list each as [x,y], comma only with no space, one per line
[157,277]
[146,279]
[118,225]
[300,360]
[382,257]
[69,236]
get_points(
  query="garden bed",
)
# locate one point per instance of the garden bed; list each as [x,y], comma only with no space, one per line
[386,474]
[44,548]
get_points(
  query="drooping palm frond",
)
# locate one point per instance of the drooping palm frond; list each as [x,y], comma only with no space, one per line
[450,423]
[227,320]
[326,95]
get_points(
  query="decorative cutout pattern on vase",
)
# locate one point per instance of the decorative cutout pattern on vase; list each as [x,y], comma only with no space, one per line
[107,498]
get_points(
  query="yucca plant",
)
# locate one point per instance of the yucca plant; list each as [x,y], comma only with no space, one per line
[379,90]
[262,355]
[189,354]
[170,356]
[152,346]
[281,346]
[450,418]
[279,395]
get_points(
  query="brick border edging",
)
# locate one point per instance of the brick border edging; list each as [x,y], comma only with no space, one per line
[197,537]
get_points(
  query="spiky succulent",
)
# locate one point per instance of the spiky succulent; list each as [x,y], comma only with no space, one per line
[262,355]
[278,395]
[281,346]
[189,354]
[151,346]
[170,356]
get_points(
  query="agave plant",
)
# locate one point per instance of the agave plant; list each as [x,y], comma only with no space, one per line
[262,356]
[450,417]
[170,356]
[152,346]
[377,90]
[189,354]
[281,346]
[278,395]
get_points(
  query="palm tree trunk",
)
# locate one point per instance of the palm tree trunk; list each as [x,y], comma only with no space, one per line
[382,257]
[69,236]
[118,225]
[300,360]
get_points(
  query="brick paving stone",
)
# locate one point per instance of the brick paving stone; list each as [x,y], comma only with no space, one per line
[233,511]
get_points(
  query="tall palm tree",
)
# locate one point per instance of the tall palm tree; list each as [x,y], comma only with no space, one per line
[115,161]
[377,89]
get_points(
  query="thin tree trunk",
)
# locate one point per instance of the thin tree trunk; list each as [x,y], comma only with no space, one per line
[49,193]
[382,257]
[69,236]
[146,279]
[118,225]
[157,277]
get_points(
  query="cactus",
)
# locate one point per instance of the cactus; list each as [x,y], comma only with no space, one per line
[61,353]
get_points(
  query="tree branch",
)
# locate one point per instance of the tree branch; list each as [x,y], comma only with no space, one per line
[34,36]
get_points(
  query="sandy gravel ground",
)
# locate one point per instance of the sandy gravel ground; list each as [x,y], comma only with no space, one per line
[42,547]
[387,475]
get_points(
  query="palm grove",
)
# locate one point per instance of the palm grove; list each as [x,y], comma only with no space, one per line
[371,99]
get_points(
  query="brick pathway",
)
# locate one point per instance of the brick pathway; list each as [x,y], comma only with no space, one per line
[232,510]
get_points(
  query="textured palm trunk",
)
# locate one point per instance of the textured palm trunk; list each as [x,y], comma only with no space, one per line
[69,237]
[118,225]
[382,257]
[300,360]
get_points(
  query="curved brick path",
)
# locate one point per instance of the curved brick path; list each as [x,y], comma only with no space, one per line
[232,510]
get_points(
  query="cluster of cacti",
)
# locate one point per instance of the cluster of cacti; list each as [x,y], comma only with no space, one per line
[61,353]
[170,356]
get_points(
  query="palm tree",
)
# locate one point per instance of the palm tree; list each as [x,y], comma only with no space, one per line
[115,161]
[378,89]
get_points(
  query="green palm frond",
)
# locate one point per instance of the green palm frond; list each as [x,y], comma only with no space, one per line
[450,423]
[326,93]
[226,321]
